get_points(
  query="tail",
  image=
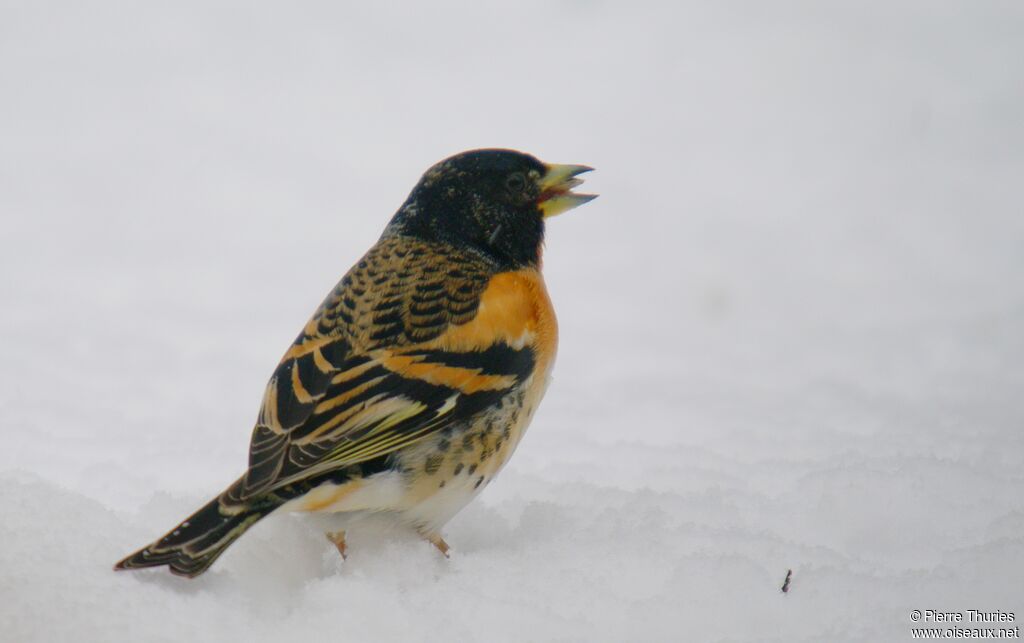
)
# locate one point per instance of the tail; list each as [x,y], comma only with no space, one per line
[190,548]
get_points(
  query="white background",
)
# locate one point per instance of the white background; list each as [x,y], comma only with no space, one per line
[792,327]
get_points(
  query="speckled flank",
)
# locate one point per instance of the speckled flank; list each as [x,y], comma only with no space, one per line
[450,478]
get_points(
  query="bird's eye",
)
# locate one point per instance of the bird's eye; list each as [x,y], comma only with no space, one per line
[515,182]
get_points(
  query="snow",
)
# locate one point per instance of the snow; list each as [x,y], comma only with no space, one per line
[790,326]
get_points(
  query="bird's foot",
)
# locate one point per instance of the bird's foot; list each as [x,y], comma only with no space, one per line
[437,541]
[338,538]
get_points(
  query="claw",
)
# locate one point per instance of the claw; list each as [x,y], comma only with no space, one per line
[437,541]
[338,538]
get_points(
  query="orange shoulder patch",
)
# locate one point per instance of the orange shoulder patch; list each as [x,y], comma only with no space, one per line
[515,309]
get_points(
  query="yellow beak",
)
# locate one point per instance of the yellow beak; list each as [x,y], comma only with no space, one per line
[555,186]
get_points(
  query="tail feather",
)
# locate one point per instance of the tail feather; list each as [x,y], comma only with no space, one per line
[190,548]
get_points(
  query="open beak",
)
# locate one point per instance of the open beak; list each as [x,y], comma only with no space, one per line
[555,186]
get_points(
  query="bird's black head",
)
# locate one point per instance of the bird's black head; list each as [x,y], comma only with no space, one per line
[493,201]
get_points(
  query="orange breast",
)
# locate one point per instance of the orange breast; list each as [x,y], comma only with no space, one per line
[514,308]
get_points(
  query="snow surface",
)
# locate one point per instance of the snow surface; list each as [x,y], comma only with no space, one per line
[791,325]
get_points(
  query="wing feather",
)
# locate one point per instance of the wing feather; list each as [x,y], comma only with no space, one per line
[371,372]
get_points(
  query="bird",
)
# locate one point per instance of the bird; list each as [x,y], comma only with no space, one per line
[414,381]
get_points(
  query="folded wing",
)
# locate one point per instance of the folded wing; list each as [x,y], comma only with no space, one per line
[373,373]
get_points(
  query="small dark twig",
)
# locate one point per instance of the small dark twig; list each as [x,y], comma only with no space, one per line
[785,583]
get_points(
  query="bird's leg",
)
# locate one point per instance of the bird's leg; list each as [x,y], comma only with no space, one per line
[436,540]
[338,538]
